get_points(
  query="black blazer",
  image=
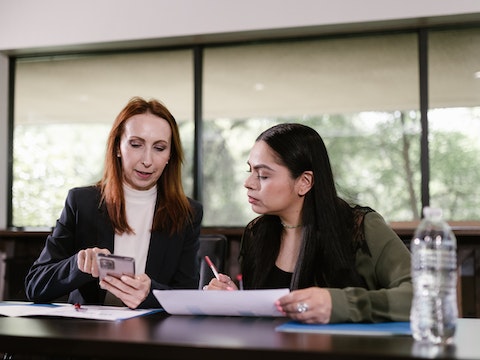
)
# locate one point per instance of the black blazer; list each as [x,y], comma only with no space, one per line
[171,261]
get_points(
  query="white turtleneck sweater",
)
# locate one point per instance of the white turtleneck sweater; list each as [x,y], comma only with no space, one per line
[140,206]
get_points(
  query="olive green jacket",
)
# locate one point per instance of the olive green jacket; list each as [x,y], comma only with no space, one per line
[387,274]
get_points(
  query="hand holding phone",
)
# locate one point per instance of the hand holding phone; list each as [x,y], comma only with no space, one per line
[115,265]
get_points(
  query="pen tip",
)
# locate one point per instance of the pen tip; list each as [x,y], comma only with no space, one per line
[209,262]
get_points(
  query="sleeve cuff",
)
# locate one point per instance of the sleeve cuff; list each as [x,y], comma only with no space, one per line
[339,306]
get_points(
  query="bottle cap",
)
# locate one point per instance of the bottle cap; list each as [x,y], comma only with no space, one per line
[432,212]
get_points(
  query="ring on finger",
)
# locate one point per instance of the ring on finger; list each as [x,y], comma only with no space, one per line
[302,307]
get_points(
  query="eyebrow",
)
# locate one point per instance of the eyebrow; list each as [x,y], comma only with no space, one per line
[260,166]
[161,141]
[136,137]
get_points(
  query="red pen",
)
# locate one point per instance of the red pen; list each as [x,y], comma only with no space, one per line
[240,281]
[214,269]
[79,307]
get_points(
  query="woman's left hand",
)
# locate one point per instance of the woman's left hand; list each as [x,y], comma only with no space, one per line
[312,305]
[131,290]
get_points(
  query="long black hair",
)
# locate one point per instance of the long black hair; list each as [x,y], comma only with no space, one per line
[327,254]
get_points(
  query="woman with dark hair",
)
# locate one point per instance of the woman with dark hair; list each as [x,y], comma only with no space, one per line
[138,209]
[342,262]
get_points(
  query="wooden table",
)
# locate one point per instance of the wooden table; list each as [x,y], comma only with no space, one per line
[160,336]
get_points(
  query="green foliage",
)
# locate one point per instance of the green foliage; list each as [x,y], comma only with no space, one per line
[49,160]
[455,175]
[375,158]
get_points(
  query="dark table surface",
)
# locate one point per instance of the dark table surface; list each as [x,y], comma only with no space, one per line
[161,336]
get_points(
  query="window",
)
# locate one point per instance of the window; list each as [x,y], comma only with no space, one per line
[64,108]
[454,122]
[359,93]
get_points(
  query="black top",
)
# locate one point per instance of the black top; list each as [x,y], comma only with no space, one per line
[278,279]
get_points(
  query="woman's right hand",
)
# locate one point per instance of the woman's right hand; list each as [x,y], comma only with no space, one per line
[87,260]
[224,282]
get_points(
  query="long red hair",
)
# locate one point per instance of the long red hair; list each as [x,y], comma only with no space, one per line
[173,210]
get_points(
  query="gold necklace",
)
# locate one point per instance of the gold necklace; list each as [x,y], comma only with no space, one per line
[291,226]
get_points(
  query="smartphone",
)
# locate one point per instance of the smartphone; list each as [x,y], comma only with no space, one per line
[115,265]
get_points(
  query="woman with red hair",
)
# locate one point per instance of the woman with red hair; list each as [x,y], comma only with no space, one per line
[138,209]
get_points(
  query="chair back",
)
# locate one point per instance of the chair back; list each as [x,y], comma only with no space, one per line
[215,246]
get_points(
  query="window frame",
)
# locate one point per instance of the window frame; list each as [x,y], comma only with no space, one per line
[422,34]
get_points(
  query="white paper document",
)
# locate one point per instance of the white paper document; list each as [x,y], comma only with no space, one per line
[219,302]
[96,312]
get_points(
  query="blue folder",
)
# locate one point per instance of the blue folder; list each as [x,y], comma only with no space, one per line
[371,329]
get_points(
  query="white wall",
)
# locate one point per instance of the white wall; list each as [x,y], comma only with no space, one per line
[30,26]
[36,24]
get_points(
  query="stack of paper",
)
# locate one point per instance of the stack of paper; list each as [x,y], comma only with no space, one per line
[97,312]
[218,302]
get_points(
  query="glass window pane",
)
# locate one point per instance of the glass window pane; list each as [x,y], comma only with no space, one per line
[454,122]
[64,108]
[360,93]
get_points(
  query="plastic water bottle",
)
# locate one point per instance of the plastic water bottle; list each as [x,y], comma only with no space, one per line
[434,309]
